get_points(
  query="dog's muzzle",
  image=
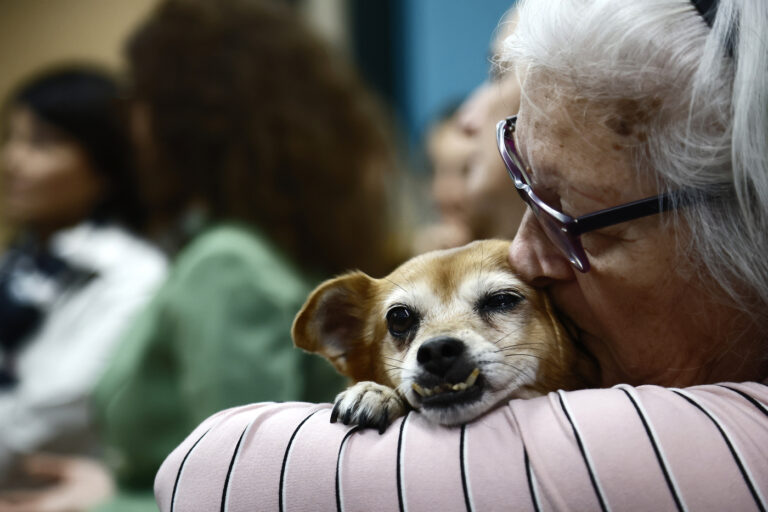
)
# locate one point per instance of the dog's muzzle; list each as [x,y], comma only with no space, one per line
[450,377]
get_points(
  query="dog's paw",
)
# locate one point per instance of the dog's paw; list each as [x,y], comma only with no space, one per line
[369,405]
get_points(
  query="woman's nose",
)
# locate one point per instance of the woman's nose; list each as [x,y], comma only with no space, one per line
[534,257]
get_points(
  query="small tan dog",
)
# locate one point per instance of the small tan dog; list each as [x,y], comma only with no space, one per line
[451,333]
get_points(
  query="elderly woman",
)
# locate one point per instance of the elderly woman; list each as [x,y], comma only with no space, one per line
[640,148]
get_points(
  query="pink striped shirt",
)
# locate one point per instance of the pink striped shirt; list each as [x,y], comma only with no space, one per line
[624,448]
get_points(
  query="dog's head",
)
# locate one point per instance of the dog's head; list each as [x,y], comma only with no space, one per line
[455,332]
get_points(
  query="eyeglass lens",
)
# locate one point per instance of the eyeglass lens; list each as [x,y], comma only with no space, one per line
[566,243]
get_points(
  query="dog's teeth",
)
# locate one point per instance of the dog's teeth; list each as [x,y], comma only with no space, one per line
[459,387]
[472,377]
[421,391]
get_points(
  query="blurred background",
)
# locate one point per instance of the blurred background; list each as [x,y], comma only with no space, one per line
[418,55]
[177,175]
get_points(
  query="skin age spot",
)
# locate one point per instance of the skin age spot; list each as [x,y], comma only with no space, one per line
[620,126]
[630,113]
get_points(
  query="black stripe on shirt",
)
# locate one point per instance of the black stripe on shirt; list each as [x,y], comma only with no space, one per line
[181,467]
[229,470]
[338,466]
[400,447]
[463,465]
[657,451]
[760,407]
[583,451]
[281,505]
[529,474]
[734,454]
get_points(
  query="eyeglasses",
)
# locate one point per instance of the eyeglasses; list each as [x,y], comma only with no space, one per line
[563,230]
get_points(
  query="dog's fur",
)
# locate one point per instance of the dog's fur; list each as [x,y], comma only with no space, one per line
[452,333]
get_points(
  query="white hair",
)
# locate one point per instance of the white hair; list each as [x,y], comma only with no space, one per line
[705,93]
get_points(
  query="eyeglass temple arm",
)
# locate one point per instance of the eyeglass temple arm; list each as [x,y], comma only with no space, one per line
[627,212]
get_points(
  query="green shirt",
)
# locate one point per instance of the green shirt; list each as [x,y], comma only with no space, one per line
[216,335]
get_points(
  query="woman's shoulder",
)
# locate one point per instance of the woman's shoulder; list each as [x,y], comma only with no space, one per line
[225,239]
[233,250]
[644,448]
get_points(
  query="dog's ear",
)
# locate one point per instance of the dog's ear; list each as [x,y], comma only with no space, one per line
[332,323]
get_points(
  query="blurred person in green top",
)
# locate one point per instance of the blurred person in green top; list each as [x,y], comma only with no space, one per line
[266,167]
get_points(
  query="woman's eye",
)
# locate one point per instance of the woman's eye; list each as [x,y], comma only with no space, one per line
[499,302]
[400,320]
[599,242]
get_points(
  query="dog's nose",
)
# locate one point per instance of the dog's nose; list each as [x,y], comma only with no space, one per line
[438,355]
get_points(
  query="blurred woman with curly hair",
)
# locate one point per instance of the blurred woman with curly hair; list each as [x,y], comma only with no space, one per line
[240,109]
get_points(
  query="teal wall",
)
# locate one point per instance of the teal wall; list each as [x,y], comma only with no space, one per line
[445,54]
[422,55]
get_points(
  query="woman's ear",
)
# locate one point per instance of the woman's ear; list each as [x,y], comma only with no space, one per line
[333,321]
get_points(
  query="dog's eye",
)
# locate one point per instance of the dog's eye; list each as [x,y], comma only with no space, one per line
[400,320]
[500,301]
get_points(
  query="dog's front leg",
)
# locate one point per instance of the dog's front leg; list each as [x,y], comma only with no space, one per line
[369,405]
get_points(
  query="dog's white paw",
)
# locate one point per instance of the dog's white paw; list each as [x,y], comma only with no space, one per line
[369,405]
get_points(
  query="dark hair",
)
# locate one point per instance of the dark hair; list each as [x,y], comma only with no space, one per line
[251,112]
[81,102]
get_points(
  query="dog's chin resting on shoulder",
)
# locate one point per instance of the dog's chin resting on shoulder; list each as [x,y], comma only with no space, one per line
[450,333]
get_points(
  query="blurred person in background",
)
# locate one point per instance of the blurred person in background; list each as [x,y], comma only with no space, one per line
[491,209]
[448,151]
[266,168]
[74,274]
[470,184]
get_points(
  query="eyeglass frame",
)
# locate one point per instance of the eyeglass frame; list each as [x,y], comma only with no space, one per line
[573,227]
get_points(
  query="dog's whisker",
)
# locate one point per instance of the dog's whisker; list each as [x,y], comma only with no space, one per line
[522,354]
[505,363]
[533,344]
[510,352]
[395,284]
[521,350]
[507,335]
[506,350]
